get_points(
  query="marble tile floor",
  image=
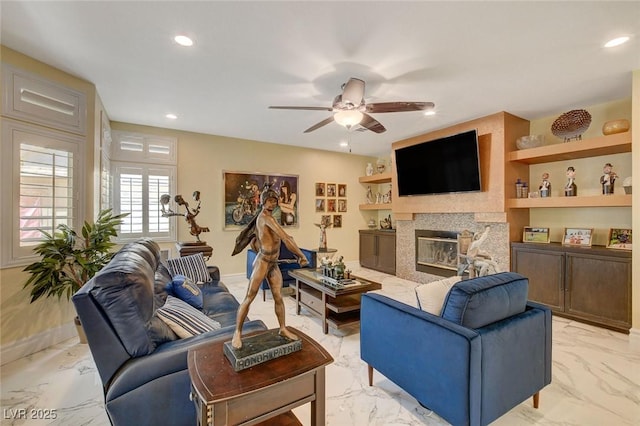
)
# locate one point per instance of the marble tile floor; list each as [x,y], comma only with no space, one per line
[596,377]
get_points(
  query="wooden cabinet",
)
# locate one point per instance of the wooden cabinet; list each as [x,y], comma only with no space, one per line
[592,285]
[378,250]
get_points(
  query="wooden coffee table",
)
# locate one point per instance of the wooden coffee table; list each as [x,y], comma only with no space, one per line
[264,393]
[337,307]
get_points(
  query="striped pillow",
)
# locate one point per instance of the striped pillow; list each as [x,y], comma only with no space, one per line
[194,267]
[184,319]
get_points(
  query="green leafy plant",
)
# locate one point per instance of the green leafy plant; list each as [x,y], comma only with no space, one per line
[68,260]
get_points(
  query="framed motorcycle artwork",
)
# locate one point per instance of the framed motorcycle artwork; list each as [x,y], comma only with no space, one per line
[242,197]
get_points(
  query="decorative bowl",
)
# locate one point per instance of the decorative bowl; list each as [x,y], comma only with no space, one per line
[531,141]
[615,126]
[571,125]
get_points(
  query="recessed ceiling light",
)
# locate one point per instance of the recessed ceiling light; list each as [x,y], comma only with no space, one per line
[430,112]
[183,40]
[343,144]
[171,116]
[617,41]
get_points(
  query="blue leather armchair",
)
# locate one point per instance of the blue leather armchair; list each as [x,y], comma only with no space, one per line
[286,262]
[488,351]
[141,362]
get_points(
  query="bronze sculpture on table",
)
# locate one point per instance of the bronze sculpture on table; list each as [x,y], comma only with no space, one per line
[189,214]
[265,235]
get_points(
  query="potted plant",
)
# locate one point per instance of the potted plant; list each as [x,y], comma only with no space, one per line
[69,260]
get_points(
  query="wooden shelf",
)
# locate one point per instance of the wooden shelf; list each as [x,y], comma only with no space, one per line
[593,147]
[385,206]
[615,200]
[376,178]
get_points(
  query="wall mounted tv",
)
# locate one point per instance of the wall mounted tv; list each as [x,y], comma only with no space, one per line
[445,165]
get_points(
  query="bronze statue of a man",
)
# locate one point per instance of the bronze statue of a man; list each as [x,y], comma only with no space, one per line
[265,236]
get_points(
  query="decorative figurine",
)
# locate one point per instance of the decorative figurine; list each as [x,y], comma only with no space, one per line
[189,214]
[265,235]
[369,169]
[369,195]
[570,189]
[607,179]
[545,186]
[323,225]
[476,262]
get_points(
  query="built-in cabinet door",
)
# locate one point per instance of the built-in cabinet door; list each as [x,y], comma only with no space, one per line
[598,288]
[368,253]
[387,253]
[545,271]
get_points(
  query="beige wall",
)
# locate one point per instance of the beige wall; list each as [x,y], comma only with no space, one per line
[635,136]
[203,158]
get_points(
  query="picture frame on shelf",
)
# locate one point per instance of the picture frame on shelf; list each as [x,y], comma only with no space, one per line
[578,237]
[532,234]
[320,206]
[320,189]
[620,238]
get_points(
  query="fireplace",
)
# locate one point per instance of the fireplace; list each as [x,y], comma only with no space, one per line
[437,252]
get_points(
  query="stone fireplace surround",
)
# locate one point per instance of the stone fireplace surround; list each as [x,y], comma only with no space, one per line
[497,243]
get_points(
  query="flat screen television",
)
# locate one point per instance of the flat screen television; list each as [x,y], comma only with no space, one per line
[445,165]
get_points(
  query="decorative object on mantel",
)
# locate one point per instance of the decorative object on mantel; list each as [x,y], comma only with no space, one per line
[372,223]
[189,214]
[615,126]
[545,186]
[474,261]
[369,169]
[571,189]
[608,179]
[531,141]
[571,125]
[381,166]
[626,184]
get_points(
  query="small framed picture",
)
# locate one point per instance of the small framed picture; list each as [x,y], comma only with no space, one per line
[326,219]
[320,205]
[619,238]
[342,205]
[331,205]
[342,190]
[320,189]
[535,235]
[331,190]
[577,237]
[337,221]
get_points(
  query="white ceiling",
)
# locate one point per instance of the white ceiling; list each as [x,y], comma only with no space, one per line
[532,59]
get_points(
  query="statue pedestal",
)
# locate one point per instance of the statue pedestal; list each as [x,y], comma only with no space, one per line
[260,348]
[189,248]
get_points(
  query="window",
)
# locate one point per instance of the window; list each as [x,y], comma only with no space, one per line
[143,170]
[41,191]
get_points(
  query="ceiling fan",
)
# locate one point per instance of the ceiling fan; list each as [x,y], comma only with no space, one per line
[349,108]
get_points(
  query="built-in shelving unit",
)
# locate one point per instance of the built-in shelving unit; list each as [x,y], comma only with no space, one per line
[593,147]
[376,179]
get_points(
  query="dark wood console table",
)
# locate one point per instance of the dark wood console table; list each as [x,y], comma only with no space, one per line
[263,393]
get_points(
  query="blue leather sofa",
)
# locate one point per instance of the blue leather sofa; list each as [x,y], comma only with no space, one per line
[286,262]
[141,362]
[488,351]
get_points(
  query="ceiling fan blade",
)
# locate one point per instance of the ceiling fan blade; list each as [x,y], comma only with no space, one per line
[302,108]
[353,91]
[398,106]
[372,124]
[320,124]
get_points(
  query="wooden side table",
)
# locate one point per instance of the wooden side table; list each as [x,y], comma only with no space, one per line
[266,391]
[186,249]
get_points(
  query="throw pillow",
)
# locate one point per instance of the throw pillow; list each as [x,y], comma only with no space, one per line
[431,295]
[186,290]
[192,266]
[184,319]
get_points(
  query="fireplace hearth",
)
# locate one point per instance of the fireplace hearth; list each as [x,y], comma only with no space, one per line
[437,252]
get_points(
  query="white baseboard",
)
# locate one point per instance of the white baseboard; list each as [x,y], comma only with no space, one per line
[634,336]
[32,344]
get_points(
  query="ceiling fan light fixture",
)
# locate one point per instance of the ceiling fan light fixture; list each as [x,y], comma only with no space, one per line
[348,118]
[183,40]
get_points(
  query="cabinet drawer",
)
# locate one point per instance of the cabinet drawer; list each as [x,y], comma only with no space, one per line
[311,301]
